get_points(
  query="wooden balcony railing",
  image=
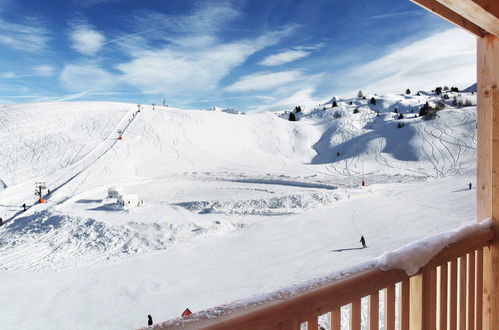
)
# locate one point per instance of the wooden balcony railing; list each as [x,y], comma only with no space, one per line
[445,294]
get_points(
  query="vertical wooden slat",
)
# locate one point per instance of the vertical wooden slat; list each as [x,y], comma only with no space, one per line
[390,307]
[453,295]
[335,319]
[462,294]
[471,291]
[355,315]
[423,300]
[479,289]
[312,323]
[374,311]
[431,297]
[404,305]
[442,303]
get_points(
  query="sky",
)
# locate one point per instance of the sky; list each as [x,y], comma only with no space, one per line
[251,55]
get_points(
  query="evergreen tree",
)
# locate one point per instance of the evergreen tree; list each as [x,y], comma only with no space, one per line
[373,101]
[335,104]
[298,108]
[360,94]
[408,91]
[438,90]
[292,116]
[356,110]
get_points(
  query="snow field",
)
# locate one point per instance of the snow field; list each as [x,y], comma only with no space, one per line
[235,205]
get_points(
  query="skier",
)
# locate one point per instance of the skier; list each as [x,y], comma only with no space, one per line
[469,186]
[363,241]
[24,206]
[149,320]
[337,154]
[48,191]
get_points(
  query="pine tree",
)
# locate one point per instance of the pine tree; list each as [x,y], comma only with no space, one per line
[292,116]
[408,91]
[334,104]
[373,101]
[360,94]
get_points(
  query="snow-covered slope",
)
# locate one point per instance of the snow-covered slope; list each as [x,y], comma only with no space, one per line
[209,182]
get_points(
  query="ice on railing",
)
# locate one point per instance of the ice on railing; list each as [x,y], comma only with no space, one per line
[417,254]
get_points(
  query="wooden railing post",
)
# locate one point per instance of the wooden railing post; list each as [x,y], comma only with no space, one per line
[423,302]
[488,169]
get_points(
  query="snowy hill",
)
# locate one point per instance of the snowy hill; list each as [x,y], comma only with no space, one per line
[269,190]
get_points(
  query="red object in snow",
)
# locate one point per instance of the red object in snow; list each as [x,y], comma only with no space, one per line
[187,312]
[363,183]
[41,201]
[120,138]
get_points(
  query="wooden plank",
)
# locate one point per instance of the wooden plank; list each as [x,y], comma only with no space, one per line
[312,323]
[449,15]
[479,289]
[453,295]
[336,319]
[355,315]
[430,278]
[470,299]
[442,297]
[423,300]
[461,324]
[471,11]
[488,169]
[404,304]
[374,311]
[390,307]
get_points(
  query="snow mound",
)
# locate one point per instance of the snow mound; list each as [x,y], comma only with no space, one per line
[282,205]
[51,241]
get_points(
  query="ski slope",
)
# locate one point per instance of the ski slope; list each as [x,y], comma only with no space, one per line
[234,204]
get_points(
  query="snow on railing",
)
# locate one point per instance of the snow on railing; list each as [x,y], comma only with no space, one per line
[433,283]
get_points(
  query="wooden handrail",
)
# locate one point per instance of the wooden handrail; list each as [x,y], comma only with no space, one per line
[322,299]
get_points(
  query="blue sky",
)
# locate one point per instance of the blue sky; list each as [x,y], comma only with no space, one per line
[252,55]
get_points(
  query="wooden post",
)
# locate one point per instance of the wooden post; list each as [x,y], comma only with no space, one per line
[488,169]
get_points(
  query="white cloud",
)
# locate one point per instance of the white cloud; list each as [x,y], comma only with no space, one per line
[43,70]
[30,37]
[186,67]
[86,77]
[303,97]
[86,40]
[445,58]
[284,57]
[264,81]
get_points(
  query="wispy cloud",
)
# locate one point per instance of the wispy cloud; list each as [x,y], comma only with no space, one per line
[452,61]
[37,71]
[86,40]
[284,57]
[30,37]
[396,14]
[44,70]
[264,81]
[86,77]
[303,97]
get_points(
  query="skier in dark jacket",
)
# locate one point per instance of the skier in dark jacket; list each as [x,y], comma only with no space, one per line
[24,206]
[469,186]
[363,241]
[149,320]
